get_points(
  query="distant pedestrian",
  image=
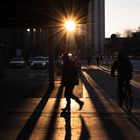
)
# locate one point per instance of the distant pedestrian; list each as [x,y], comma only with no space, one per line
[89,60]
[97,60]
[69,80]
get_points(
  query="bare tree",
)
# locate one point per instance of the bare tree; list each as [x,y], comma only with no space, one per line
[127,33]
[138,29]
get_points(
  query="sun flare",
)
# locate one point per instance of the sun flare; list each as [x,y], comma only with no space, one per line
[70,25]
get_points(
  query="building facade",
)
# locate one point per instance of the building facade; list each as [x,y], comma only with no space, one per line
[96,26]
[33,41]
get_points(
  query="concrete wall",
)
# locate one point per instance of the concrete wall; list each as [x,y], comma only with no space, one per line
[96,25]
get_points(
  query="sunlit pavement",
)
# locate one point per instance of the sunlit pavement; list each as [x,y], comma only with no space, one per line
[38,118]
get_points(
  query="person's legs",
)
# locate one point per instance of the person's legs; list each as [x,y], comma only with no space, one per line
[81,103]
[120,83]
[128,86]
[67,94]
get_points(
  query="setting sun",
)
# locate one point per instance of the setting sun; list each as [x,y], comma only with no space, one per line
[70,25]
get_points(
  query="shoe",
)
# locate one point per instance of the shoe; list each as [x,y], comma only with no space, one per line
[65,114]
[81,105]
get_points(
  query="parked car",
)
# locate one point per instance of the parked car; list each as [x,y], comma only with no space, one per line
[39,62]
[17,62]
[47,59]
[30,60]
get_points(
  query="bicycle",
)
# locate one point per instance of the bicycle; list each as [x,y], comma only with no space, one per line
[127,98]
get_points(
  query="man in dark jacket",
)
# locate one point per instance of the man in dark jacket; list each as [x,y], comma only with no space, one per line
[124,70]
[69,80]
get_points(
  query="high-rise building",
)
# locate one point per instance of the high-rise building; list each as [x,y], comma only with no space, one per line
[96,26]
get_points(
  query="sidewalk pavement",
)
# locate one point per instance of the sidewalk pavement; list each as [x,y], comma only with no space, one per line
[25,102]
[40,118]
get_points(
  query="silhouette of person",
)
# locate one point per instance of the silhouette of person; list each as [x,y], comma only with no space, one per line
[97,60]
[124,70]
[88,60]
[69,80]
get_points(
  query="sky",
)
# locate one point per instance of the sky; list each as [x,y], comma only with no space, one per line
[121,15]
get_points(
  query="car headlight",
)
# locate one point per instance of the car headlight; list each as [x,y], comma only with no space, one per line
[44,63]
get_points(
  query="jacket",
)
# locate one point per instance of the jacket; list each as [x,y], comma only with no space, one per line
[70,74]
[123,67]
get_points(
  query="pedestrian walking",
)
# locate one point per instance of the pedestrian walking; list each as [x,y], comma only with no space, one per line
[89,60]
[69,80]
[97,60]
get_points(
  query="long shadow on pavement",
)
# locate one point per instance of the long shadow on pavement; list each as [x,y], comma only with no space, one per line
[85,135]
[52,122]
[102,79]
[133,119]
[113,131]
[30,124]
